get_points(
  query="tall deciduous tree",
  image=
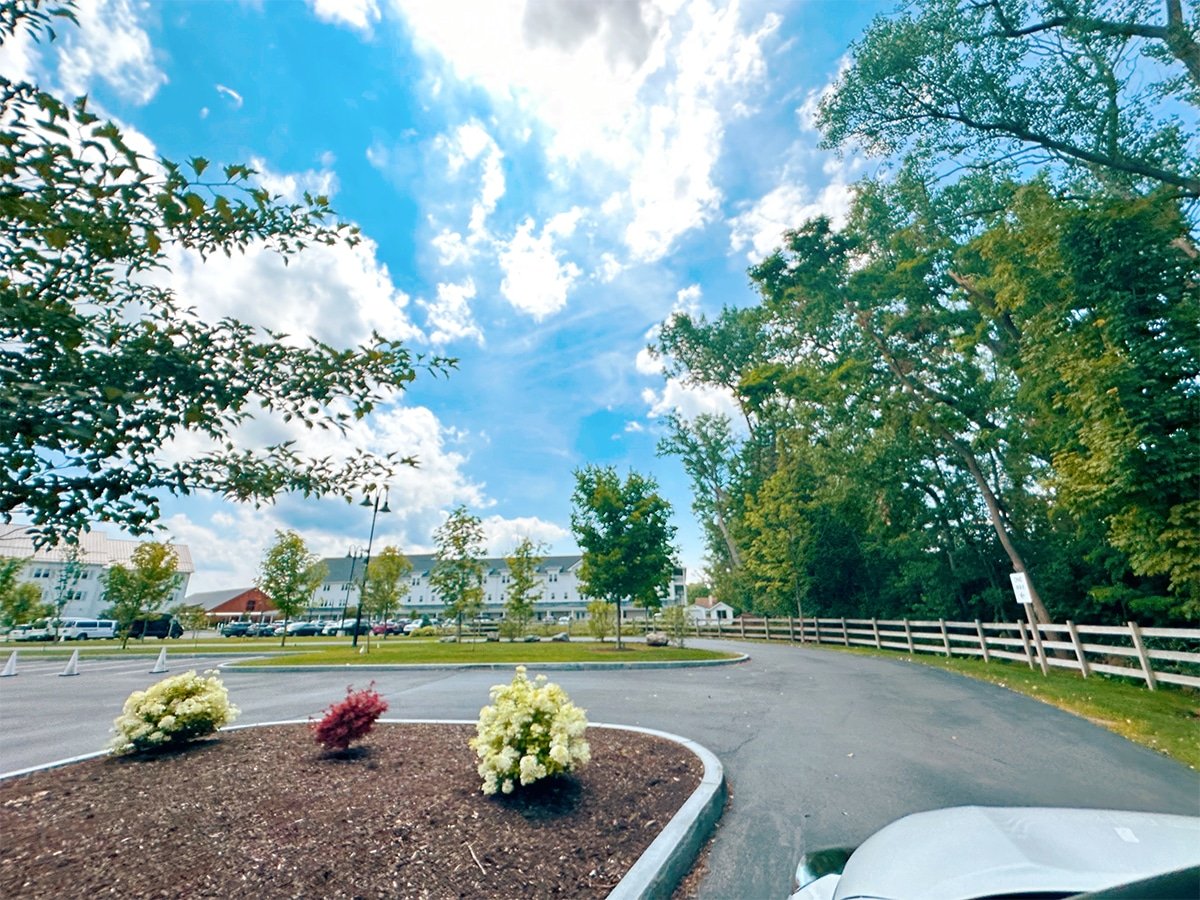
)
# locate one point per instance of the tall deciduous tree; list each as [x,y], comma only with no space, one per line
[523,591]
[624,530]
[457,572]
[289,574]
[139,590]
[1080,82]
[387,582]
[101,364]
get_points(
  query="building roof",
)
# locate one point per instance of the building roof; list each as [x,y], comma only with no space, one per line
[213,599]
[96,548]
[339,566]
[709,603]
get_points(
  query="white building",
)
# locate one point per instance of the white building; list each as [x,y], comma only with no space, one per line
[557,580]
[79,581]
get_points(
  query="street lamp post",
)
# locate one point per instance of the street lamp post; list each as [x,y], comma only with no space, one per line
[354,554]
[376,510]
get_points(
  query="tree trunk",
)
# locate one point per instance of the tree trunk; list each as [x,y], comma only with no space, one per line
[619,623]
[1018,562]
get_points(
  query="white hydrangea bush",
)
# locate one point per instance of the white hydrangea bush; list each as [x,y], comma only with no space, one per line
[530,730]
[171,712]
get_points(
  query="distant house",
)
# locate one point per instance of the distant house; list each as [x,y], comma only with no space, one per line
[709,609]
[236,603]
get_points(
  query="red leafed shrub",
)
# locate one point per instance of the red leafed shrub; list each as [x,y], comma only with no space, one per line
[350,719]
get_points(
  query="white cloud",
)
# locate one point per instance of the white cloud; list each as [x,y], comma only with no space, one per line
[234,97]
[761,226]
[690,401]
[449,317]
[629,95]
[357,14]
[109,44]
[468,149]
[502,535]
[417,499]
[20,56]
[535,281]
[610,267]
[647,363]
[291,186]
[338,294]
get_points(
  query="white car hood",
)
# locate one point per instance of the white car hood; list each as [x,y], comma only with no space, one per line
[976,851]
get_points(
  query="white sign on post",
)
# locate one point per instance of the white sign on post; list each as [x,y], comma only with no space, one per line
[1021,588]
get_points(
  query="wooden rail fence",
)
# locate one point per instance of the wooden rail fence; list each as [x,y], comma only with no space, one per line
[1153,655]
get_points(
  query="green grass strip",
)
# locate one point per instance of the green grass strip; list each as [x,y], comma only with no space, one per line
[413,652]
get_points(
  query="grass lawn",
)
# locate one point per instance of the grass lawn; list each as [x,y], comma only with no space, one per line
[400,652]
[1167,720]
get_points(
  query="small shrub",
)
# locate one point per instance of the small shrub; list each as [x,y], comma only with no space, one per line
[172,712]
[349,720]
[531,730]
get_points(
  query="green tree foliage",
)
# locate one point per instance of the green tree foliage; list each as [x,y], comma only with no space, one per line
[289,574]
[20,601]
[140,589]
[523,591]
[457,573]
[102,364]
[675,622]
[601,621]
[992,366]
[387,583]
[624,531]
[192,617]
[1094,85]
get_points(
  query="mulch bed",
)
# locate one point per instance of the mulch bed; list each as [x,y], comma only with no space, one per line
[265,812]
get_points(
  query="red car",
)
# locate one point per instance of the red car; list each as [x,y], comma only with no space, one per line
[387,628]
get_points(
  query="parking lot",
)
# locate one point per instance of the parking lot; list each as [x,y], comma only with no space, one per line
[821,748]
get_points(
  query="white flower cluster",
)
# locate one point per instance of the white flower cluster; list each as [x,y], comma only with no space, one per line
[175,710]
[531,730]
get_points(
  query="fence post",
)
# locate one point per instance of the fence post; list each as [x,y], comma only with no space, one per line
[1083,666]
[908,635]
[845,633]
[1025,642]
[875,628]
[742,622]
[945,638]
[791,629]
[718,626]
[767,628]
[983,648]
[1037,642]
[1139,645]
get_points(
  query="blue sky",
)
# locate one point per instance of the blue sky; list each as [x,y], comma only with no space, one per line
[539,182]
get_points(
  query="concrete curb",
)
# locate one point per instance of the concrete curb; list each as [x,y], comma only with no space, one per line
[660,867]
[532,666]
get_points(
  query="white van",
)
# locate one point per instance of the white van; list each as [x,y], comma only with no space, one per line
[82,629]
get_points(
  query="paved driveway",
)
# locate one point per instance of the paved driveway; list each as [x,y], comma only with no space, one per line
[820,748]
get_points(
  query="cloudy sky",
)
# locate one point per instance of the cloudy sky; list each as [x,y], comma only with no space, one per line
[540,182]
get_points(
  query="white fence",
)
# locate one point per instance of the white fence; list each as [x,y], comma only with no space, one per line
[1153,655]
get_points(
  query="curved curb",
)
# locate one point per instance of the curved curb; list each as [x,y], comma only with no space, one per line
[533,666]
[660,867]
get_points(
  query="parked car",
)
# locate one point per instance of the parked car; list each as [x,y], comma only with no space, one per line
[75,629]
[31,631]
[160,627]
[261,629]
[412,626]
[303,629]
[235,629]
[330,627]
[975,851]
[387,628]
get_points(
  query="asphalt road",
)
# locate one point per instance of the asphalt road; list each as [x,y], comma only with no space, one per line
[820,748]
